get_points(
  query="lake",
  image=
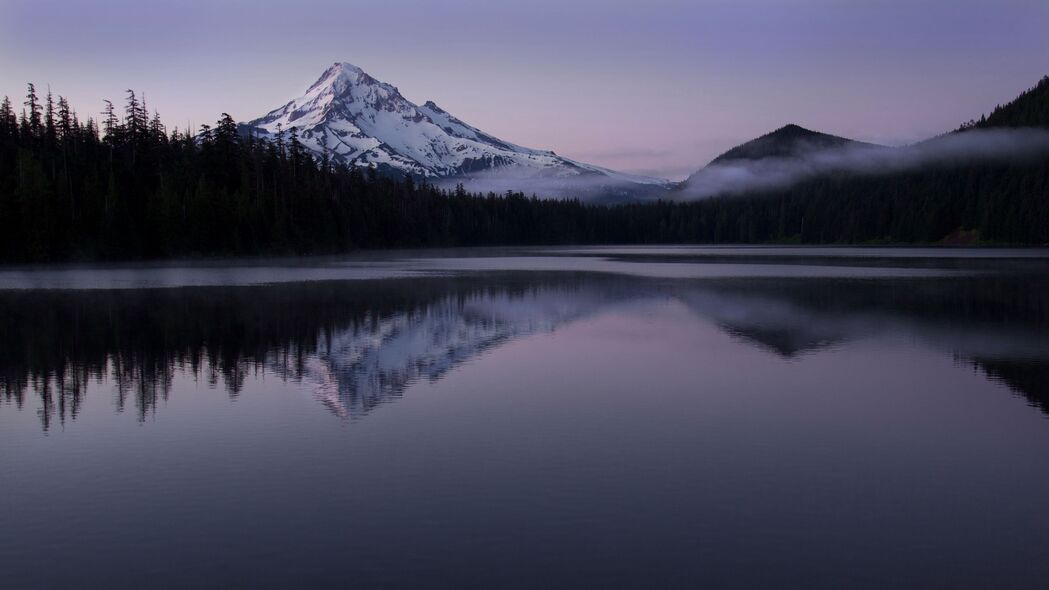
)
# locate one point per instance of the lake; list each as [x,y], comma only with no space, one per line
[665,417]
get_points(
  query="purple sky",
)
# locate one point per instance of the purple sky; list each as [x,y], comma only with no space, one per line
[657,87]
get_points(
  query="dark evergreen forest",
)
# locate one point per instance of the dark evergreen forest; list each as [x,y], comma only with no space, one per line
[124,187]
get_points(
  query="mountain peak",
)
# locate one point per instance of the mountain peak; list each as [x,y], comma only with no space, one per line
[346,66]
[339,77]
[791,140]
[794,129]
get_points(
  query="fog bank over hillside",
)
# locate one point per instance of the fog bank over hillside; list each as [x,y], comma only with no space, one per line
[738,176]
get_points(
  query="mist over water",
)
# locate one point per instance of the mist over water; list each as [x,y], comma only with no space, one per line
[978,145]
[586,186]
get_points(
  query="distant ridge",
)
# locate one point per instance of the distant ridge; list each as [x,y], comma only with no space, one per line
[788,141]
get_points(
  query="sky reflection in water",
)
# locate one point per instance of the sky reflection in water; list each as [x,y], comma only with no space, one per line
[858,425]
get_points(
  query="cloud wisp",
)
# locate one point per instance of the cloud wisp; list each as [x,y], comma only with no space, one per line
[735,177]
[587,186]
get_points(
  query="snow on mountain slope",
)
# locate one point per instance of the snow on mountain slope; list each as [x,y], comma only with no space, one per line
[360,120]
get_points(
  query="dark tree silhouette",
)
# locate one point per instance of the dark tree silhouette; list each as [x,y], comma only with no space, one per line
[138,191]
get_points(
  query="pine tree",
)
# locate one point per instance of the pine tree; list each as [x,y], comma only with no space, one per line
[295,147]
[143,115]
[205,136]
[49,118]
[110,124]
[65,120]
[131,116]
[280,141]
[8,123]
[226,132]
[33,115]
[156,127]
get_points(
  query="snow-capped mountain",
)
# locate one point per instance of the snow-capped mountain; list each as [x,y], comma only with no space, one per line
[360,120]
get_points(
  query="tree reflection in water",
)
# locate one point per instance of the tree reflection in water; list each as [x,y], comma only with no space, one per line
[360,344]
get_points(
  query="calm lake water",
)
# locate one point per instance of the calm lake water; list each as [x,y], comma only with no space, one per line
[545,418]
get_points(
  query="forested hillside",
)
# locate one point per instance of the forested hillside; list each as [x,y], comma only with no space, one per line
[124,187]
[1030,109]
[968,200]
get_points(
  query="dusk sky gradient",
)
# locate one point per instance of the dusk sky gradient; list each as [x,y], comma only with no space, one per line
[657,87]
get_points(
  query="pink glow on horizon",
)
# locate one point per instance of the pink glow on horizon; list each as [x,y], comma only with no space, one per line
[659,88]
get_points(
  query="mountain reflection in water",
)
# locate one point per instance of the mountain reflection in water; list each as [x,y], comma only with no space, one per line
[359,344]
